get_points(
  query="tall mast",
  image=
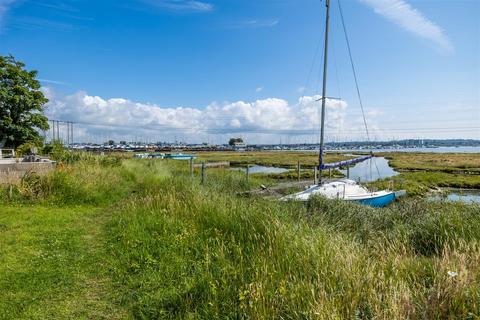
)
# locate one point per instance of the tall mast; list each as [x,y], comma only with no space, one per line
[324,93]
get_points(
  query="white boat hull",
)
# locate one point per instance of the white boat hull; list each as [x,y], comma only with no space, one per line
[347,190]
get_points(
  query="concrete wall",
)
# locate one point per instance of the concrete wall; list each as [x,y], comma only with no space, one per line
[13,172]
[26,166]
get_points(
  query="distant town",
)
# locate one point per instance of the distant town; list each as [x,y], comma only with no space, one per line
[239,145]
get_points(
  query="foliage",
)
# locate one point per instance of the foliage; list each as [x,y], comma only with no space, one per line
[27,147]
[21,103]
[233,141]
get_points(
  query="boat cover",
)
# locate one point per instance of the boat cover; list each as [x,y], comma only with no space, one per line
[344,163]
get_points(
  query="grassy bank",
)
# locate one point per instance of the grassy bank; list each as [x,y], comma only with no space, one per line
[140,239]
[437,162]
[283,159]
[420,183]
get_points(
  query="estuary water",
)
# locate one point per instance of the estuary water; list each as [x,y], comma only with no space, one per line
[371,170]
[461,195]
[426,150]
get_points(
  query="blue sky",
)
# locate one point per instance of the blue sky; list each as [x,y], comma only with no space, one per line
[202,70]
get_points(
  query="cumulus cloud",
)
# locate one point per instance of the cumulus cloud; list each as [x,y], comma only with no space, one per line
[259,120]
[403,14]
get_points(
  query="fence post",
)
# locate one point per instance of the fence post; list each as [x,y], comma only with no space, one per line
[298,171]
[315,175]
[191,167]
[203,172]
[348,172]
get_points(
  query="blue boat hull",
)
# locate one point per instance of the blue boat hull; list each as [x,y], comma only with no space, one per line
[378,202]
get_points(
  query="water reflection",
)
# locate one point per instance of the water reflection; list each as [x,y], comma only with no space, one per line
[371,170]
[462,195]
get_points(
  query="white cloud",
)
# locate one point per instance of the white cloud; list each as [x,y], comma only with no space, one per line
[301,89]
[259,89]
[181,5]
[5,5]
[403,14]
[48,81]
[254,23]
[259,120]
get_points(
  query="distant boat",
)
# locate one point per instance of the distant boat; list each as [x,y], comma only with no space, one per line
[149,156]
[343,189]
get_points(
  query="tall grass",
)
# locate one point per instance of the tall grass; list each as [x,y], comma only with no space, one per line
[183,250]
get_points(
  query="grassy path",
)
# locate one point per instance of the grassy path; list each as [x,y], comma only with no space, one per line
[53,248]
[51,264]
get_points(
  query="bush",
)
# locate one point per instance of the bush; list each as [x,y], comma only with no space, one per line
[27,147]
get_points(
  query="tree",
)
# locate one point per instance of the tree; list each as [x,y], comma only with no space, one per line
[21,104]
[235,140]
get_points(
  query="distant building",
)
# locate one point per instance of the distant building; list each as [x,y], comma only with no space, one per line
[239,146]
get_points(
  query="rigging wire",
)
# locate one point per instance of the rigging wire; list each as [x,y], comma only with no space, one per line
[312,66]
[355,78]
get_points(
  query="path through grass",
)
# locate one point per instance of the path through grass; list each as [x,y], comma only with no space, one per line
[52,264]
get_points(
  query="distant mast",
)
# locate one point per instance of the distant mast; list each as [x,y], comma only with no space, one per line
[324,93]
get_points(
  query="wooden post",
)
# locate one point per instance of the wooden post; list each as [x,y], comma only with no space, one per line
[203,172]
[247,172]
[298,171]
[191,167]
[348,172]
[315,175]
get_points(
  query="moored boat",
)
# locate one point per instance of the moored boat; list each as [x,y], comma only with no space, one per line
[348,190]
[343,189]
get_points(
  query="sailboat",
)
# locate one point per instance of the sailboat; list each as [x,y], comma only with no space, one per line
[344,189]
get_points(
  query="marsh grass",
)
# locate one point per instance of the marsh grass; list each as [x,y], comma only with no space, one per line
[421,183]
[141,239]
[198,251]
[284,159]
[440,162]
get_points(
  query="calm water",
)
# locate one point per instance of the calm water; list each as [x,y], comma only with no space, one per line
[469,196]
[433,150]
[367,171]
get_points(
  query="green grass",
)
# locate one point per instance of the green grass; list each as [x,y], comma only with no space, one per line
[51,266]
[438,162]
[146,241]
[420,183]
[284,159]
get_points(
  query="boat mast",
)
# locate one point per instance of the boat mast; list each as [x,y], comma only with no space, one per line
[324,93]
